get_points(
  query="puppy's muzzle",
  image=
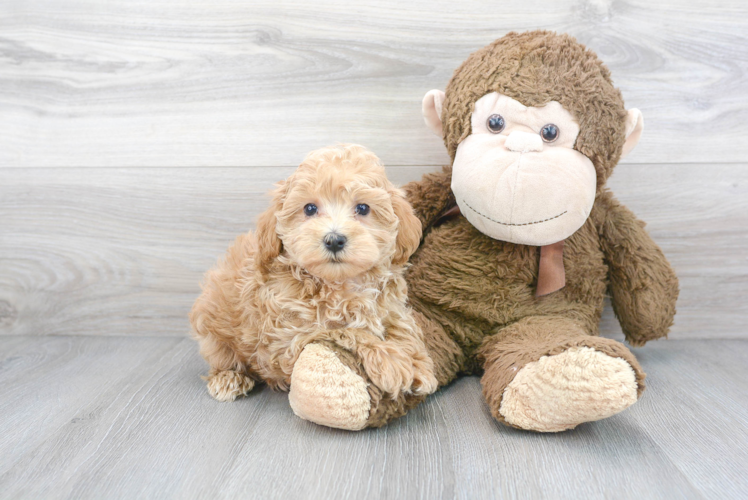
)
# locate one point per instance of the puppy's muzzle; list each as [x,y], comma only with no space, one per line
[334,242]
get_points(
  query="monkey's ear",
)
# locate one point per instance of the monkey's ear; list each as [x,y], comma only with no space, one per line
[634,127]
[432,110]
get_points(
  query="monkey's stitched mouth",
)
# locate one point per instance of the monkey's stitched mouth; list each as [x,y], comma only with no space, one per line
[509,224]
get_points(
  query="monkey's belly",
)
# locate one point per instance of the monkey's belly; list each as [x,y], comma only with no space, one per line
[492,283]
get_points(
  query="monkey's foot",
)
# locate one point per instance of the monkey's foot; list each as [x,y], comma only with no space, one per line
[228,385]
[559,392]
[327,392]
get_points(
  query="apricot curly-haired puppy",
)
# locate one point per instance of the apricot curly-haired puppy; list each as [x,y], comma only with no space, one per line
[324,267]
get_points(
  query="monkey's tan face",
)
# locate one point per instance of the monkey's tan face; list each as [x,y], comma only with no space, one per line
[517,178]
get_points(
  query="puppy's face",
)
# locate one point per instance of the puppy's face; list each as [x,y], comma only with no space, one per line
[339,216]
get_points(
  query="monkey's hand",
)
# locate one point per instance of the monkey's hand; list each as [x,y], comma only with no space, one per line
[431,196]
[643,286]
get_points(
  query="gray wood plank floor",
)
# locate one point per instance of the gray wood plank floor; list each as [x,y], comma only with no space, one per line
[86,417]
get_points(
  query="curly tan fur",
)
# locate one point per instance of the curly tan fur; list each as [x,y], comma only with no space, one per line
[279,289]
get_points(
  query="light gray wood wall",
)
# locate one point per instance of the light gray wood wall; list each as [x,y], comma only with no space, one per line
[137,138]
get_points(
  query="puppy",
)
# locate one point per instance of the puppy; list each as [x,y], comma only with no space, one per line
[325,264]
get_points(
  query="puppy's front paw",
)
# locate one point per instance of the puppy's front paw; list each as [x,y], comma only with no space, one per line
[397,372]
[424,381]
[228,385]
[327,392]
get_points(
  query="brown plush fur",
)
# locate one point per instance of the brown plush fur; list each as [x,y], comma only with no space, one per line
[535,68]
[479,291]
[279,289]
[530,338]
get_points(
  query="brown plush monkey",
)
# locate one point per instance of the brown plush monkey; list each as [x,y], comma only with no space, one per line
[522,241]
[514,284]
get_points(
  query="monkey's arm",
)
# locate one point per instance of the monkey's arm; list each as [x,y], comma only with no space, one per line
[431,196]
[643,286]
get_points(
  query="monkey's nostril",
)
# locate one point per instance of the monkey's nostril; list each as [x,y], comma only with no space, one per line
[334,242]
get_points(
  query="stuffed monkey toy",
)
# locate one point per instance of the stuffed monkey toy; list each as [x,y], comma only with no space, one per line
[522,241]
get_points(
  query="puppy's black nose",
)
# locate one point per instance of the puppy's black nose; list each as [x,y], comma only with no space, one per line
[335,242]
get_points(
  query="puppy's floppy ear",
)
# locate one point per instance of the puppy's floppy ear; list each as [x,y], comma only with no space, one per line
[269,245]
[408,229]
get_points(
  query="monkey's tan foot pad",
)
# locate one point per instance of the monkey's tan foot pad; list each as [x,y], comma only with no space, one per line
[327,392]
[228,385]
[559,392]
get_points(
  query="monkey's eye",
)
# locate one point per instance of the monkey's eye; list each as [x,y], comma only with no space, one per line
[495,124]
[549,132]
[362,209]
[310,209]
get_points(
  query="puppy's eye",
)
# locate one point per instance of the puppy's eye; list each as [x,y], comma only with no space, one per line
[310,209]
[549,132]
[495,124]
[362,209]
